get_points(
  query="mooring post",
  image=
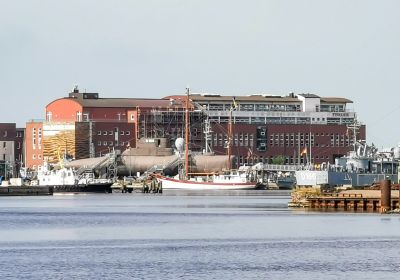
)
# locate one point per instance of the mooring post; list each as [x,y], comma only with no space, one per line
[385,196]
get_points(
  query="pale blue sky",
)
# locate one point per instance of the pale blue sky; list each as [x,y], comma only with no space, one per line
[124,48]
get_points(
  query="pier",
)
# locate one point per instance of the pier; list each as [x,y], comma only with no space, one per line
[383,200]
[355,202]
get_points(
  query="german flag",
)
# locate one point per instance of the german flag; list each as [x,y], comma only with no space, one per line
[234,104]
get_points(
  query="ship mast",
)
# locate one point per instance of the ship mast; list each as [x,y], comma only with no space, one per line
[230,133]
[187,132]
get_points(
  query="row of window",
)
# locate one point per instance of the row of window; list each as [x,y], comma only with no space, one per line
[332,108]
[18,145]
[39,138]
[269,160]
[281,120]
[18,134]
[255,107]
[110,132]
[303,139]
[36,157]
[239,139]
[112,143]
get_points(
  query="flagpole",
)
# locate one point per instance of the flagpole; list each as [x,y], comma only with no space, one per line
[309,143]
[298,146]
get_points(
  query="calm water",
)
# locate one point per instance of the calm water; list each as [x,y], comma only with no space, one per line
[132,236]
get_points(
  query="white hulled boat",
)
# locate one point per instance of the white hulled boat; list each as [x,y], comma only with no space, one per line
[65,179]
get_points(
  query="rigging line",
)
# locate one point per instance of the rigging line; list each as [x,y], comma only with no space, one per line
[385,116]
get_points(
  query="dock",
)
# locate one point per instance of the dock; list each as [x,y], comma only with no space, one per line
[26,191]
[384,200]
[360,200]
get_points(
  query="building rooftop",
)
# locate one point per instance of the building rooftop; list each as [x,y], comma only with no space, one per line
[257,98]
[92,100]
[309,95]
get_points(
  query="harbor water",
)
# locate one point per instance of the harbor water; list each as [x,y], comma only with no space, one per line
[232,235]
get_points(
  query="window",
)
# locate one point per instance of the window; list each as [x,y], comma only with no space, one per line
[110,132]
[129,133]
[5,133]
[104,132]
[99,132]
[122,132]
[98,143]
[105,143]
[33,156]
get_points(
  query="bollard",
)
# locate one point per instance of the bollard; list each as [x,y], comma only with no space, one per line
[385,196]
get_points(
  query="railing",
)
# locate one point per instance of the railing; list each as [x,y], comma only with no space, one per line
[281,167]
[282,114]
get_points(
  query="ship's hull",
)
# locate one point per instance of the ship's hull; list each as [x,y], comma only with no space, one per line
[89,188]
[173,184]
[334,178]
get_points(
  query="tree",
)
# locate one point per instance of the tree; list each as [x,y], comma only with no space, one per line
[280,159]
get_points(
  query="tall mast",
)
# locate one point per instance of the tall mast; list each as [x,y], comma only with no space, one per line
[230,132]
[309,143]
[187,132]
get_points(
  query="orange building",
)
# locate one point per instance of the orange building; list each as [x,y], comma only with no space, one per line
[33,144]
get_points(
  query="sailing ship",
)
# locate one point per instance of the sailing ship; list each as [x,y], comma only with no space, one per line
[242,178]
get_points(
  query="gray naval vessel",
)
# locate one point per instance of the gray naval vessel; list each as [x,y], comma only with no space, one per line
[362,167]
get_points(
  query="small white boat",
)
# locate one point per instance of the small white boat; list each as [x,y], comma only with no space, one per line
[66,180]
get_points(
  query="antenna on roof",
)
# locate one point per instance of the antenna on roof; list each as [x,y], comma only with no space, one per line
[76,90]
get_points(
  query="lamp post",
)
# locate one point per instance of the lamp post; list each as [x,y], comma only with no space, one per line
[5,170]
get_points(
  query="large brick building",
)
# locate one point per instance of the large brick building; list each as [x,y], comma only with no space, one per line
[264,126]
[297,127]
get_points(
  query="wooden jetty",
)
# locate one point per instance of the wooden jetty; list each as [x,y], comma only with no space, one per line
[358,200]
[384,200]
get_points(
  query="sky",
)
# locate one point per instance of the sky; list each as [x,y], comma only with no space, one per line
[149,48]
